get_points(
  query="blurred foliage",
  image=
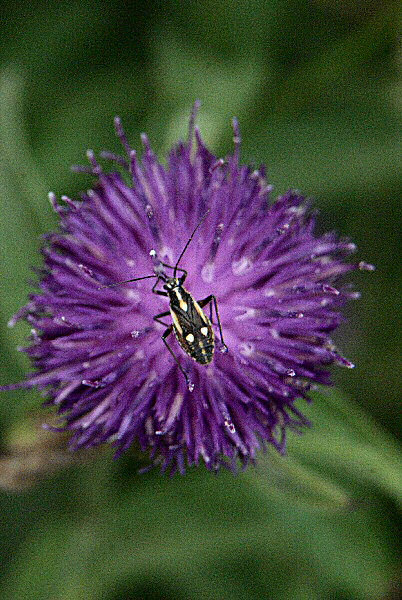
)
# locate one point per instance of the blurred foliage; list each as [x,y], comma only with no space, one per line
[316,86]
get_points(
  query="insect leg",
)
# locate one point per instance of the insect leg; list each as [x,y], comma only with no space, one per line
[168,331]
[183,277]
[157,318]
[159,292]
[206,301]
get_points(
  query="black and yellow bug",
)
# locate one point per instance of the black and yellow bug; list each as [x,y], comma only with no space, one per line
[192,327]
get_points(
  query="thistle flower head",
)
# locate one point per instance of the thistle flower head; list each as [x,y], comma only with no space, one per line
[97,350]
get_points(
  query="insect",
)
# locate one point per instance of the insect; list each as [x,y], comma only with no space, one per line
[191,326]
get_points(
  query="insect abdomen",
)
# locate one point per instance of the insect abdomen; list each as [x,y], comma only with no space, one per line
[197,345]
[200,350]
[203,354]
[192,327]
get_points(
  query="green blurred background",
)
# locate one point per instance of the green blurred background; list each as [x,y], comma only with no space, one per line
[316,87]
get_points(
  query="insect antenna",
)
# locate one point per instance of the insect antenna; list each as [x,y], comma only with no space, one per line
[188,243]
[127,281]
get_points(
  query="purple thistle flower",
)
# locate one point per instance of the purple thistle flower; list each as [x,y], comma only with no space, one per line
[98,352]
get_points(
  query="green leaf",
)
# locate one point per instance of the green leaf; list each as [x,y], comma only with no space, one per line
[21,185]
[288,531]
[347,443]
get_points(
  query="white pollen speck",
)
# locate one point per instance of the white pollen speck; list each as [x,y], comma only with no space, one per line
[190,338]
[240,267]
[204,330]
[321,248]
[296,210]
[274,333]
[174,410]
[167,255]
[269,293]
[207,272]
[132,295]
[152,252]
[246,348]
[149,426]
[248,313]
[230,426]
[204,454]
[363,266]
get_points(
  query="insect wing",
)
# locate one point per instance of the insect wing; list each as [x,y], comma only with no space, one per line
[192,327]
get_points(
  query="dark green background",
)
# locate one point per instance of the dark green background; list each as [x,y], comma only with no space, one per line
[315,85]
